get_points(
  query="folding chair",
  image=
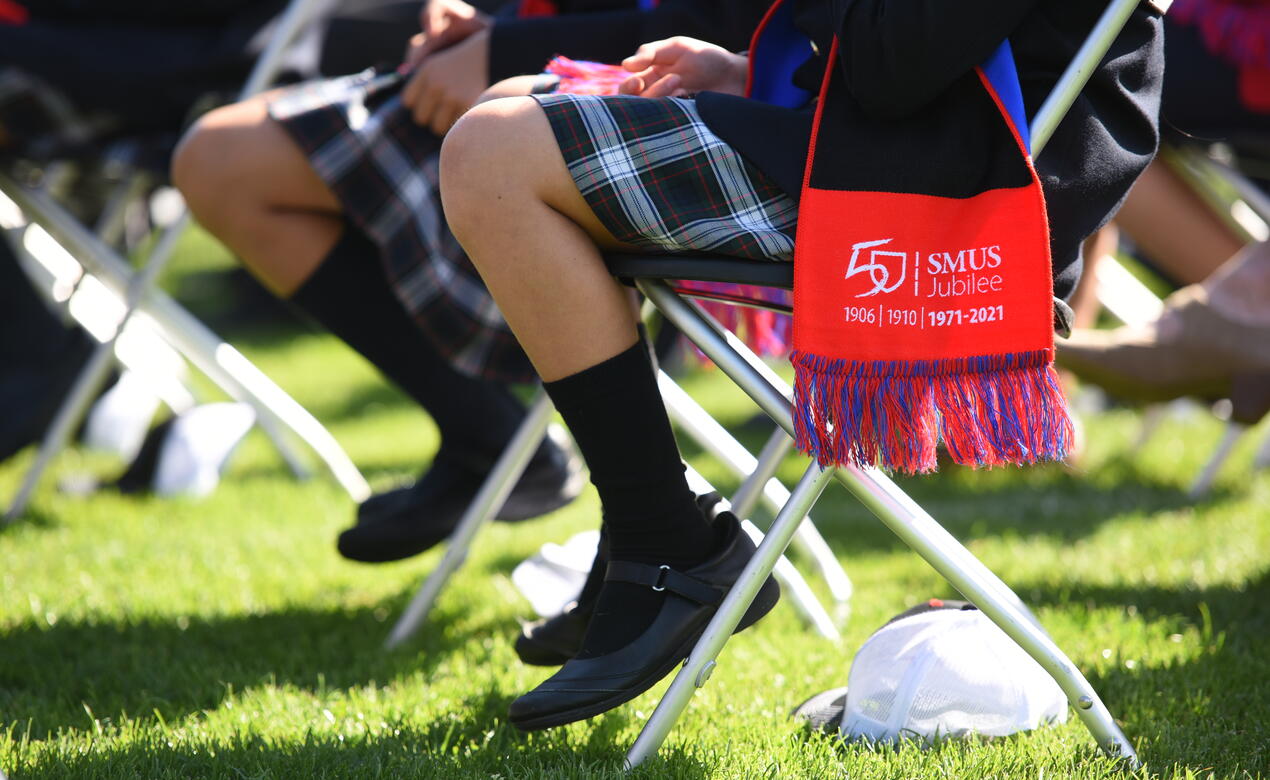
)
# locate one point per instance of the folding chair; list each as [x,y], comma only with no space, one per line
[873,488]
[757,485]
[224,365]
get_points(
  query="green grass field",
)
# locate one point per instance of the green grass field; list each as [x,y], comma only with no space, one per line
[225,637]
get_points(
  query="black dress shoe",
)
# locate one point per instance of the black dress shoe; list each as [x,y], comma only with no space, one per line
[587,687]
[554,640]
[405,522]
[553,478]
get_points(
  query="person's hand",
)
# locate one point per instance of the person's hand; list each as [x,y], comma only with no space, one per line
[448,83]
[443,23]
[679,65]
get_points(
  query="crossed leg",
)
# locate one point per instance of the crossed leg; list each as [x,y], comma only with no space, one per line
[251,185]
[516,210]
[514,207]
[248,183]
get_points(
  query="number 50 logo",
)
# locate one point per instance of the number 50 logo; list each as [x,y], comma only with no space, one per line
[879,267]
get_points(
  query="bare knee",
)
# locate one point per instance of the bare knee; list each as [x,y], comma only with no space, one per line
[202,165]
[487,160]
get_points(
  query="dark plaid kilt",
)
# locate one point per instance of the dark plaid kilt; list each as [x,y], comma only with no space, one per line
[652,171]
[383,168]
[659,179]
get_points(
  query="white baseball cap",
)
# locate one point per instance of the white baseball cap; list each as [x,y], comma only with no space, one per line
[941,669]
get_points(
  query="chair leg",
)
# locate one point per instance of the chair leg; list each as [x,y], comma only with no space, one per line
[908,520]
[757,478]
[1262,459]
[701,663]
[488,500]
[92,376]
[756,486]
[1204,482]
[794,589]
[948,557]
[807,538]
[1152,418]
[223,364]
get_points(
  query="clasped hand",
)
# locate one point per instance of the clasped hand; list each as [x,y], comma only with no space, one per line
[449,61]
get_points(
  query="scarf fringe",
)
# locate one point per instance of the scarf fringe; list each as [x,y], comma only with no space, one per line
[767,333]
[581,77]
[990,410]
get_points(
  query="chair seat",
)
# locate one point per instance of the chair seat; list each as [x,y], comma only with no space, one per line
[702,268]
[731,270]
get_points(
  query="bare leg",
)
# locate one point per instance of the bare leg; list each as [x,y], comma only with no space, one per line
[514,207]
[249,185]
[1085,299]
[1175,227]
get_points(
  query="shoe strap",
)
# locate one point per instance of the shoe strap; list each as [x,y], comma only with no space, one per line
[661,578]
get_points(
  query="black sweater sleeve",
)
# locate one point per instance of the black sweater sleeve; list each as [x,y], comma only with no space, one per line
[519,46]
[898,55]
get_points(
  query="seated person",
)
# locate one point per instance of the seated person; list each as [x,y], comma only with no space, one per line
[328,192]
[535,188]
[1212,339]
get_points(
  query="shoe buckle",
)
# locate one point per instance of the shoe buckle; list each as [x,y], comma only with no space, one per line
[660,585]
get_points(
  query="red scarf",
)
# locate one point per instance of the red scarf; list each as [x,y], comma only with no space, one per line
[919,316]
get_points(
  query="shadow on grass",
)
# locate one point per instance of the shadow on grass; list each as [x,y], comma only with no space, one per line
[1050,502]
[1206,713]
[172,667]
[477,744]
[32,516]
[474,741]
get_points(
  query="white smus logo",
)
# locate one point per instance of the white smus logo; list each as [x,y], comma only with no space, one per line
[877,268]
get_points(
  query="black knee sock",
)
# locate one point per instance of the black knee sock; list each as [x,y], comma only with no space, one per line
[617,417]
[349,295]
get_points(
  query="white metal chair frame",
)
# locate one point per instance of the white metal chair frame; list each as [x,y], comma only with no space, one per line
[870,486]
[223,364]
[874,489]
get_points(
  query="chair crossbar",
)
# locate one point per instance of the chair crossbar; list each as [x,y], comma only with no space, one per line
[735,300]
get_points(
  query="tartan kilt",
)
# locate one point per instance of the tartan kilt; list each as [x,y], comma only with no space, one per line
[660,180]
[383,169]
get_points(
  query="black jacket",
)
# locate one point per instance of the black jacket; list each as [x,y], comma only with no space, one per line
[897,55]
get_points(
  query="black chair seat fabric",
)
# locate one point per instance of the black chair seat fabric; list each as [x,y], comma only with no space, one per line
[702,268]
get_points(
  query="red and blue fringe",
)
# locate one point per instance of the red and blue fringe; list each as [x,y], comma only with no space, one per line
[766,332]
[990,410]
[581,77]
